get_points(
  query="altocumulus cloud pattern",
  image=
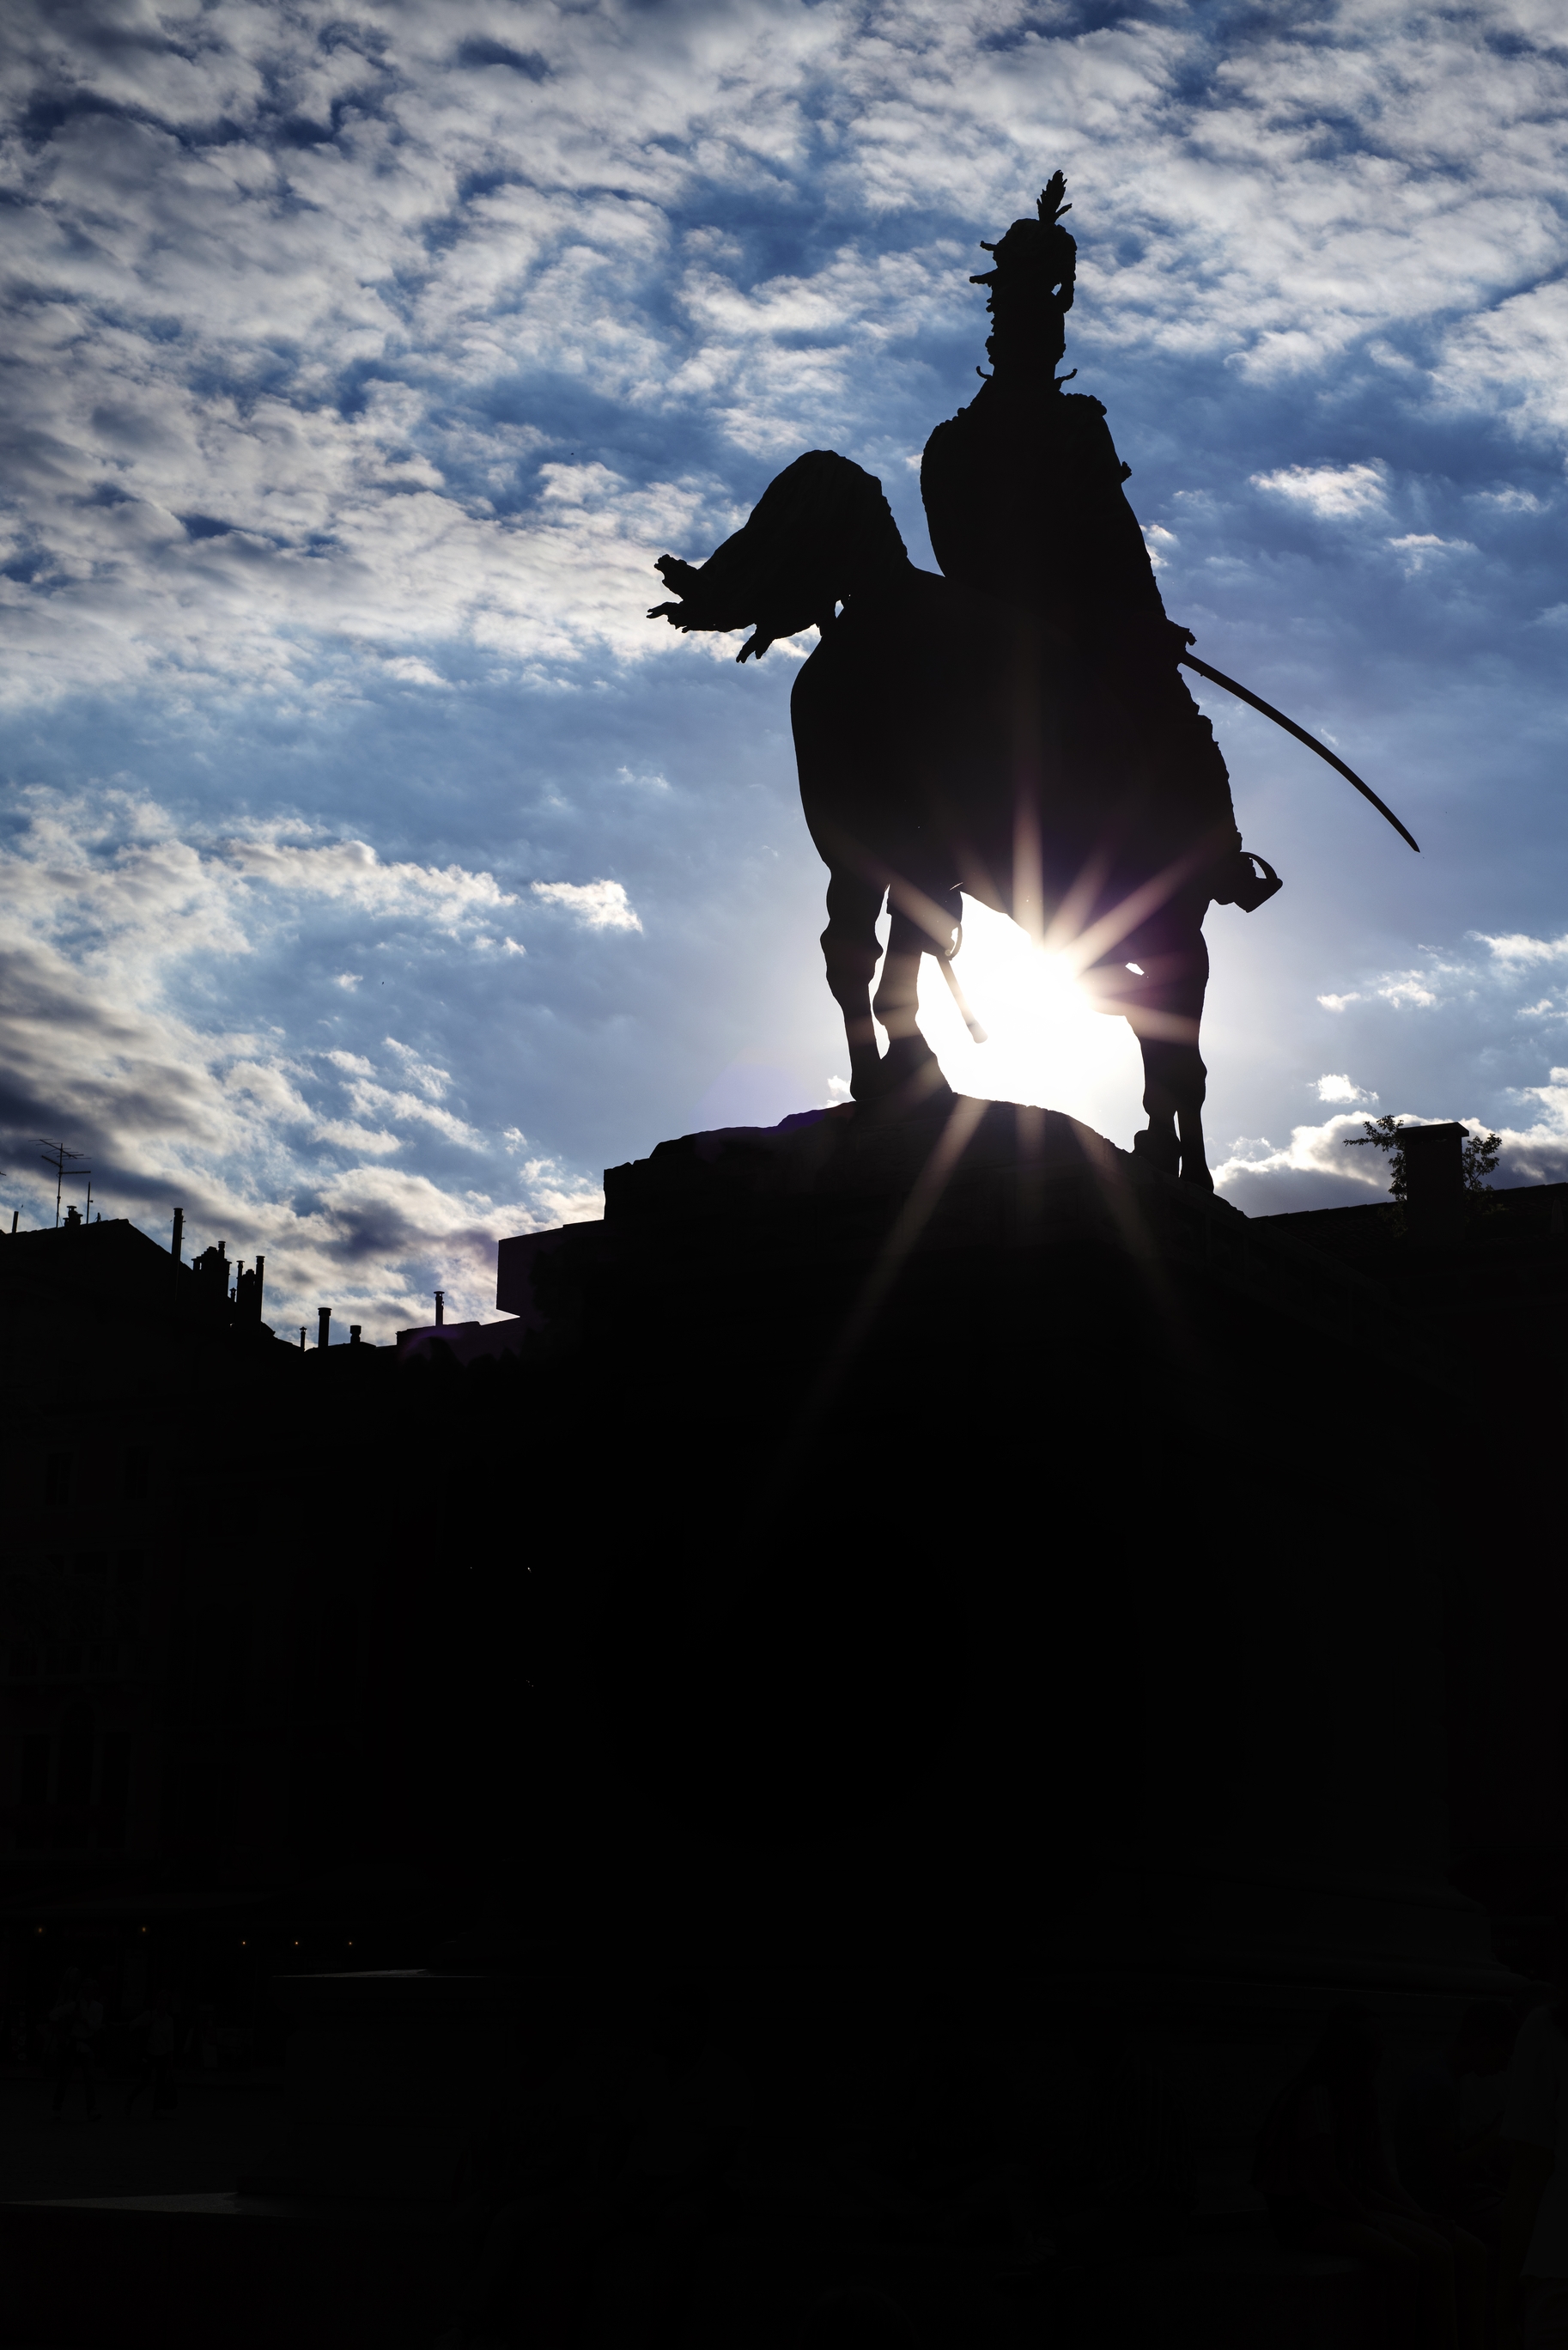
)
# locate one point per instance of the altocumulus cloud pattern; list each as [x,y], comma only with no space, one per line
[374,874]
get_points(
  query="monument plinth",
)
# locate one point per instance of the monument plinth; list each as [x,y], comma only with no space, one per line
[981,1596]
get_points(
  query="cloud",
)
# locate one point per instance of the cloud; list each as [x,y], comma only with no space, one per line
[1516,949]
[598,905]
[1419,547]
[1538,1153]
[1513,355]
[1315,1169]
[413,671]
[351,872]
[1407,987]
[347,1134]
[1338,1003]
[371,1100]
[1511,501]
[433,1083]
[1341,1089]
[1334,493]
[119,939]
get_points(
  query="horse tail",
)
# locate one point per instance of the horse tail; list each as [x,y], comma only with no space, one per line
[821,528]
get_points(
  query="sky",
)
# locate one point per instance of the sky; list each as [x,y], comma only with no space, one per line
[375,874]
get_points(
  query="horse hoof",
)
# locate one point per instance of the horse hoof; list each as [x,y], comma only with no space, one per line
[895,1093]
[1161,1151]
[1197,1176]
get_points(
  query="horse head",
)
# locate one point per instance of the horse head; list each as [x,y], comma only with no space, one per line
[819,532]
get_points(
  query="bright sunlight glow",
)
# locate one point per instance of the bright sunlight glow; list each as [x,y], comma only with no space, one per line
[1046,1043]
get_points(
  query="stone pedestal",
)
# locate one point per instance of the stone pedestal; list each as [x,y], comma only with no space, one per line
[1034,1578]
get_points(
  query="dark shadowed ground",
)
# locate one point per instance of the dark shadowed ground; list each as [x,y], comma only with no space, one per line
[217,2134]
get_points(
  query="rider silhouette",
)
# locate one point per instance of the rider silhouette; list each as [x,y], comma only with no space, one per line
[1023,496]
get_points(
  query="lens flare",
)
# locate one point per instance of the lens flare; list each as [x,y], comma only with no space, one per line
[1047,1043]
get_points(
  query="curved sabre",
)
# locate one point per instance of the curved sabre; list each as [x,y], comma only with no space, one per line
[1218,677]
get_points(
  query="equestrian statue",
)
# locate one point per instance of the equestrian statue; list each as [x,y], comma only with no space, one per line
[1016,728]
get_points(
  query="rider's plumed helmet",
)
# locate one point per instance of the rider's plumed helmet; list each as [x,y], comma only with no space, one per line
[1031,284]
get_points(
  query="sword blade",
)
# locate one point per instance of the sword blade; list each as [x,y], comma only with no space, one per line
[1218,677]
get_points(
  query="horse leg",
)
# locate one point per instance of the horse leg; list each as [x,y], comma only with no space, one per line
[850,948]
[1165,1023]
[1190,1118]
[1158,1141]
[1173,1089]
[897,1003]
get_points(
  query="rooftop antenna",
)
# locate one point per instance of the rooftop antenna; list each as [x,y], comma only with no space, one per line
[58,1163]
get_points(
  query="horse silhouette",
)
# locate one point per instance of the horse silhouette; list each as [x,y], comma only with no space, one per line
[949,742]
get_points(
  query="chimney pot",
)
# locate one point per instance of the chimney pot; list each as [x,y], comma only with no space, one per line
[1434,1181]
[354,1330]
[322,1326]
[441,1308]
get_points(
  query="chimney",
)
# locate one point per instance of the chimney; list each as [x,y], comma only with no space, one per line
[1434,1182]
[440,1307]
[301,1339]
[354,1330]
[261,1269]
[178,1241]
[323,1325]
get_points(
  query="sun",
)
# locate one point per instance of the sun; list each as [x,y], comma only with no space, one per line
[1045,1044]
